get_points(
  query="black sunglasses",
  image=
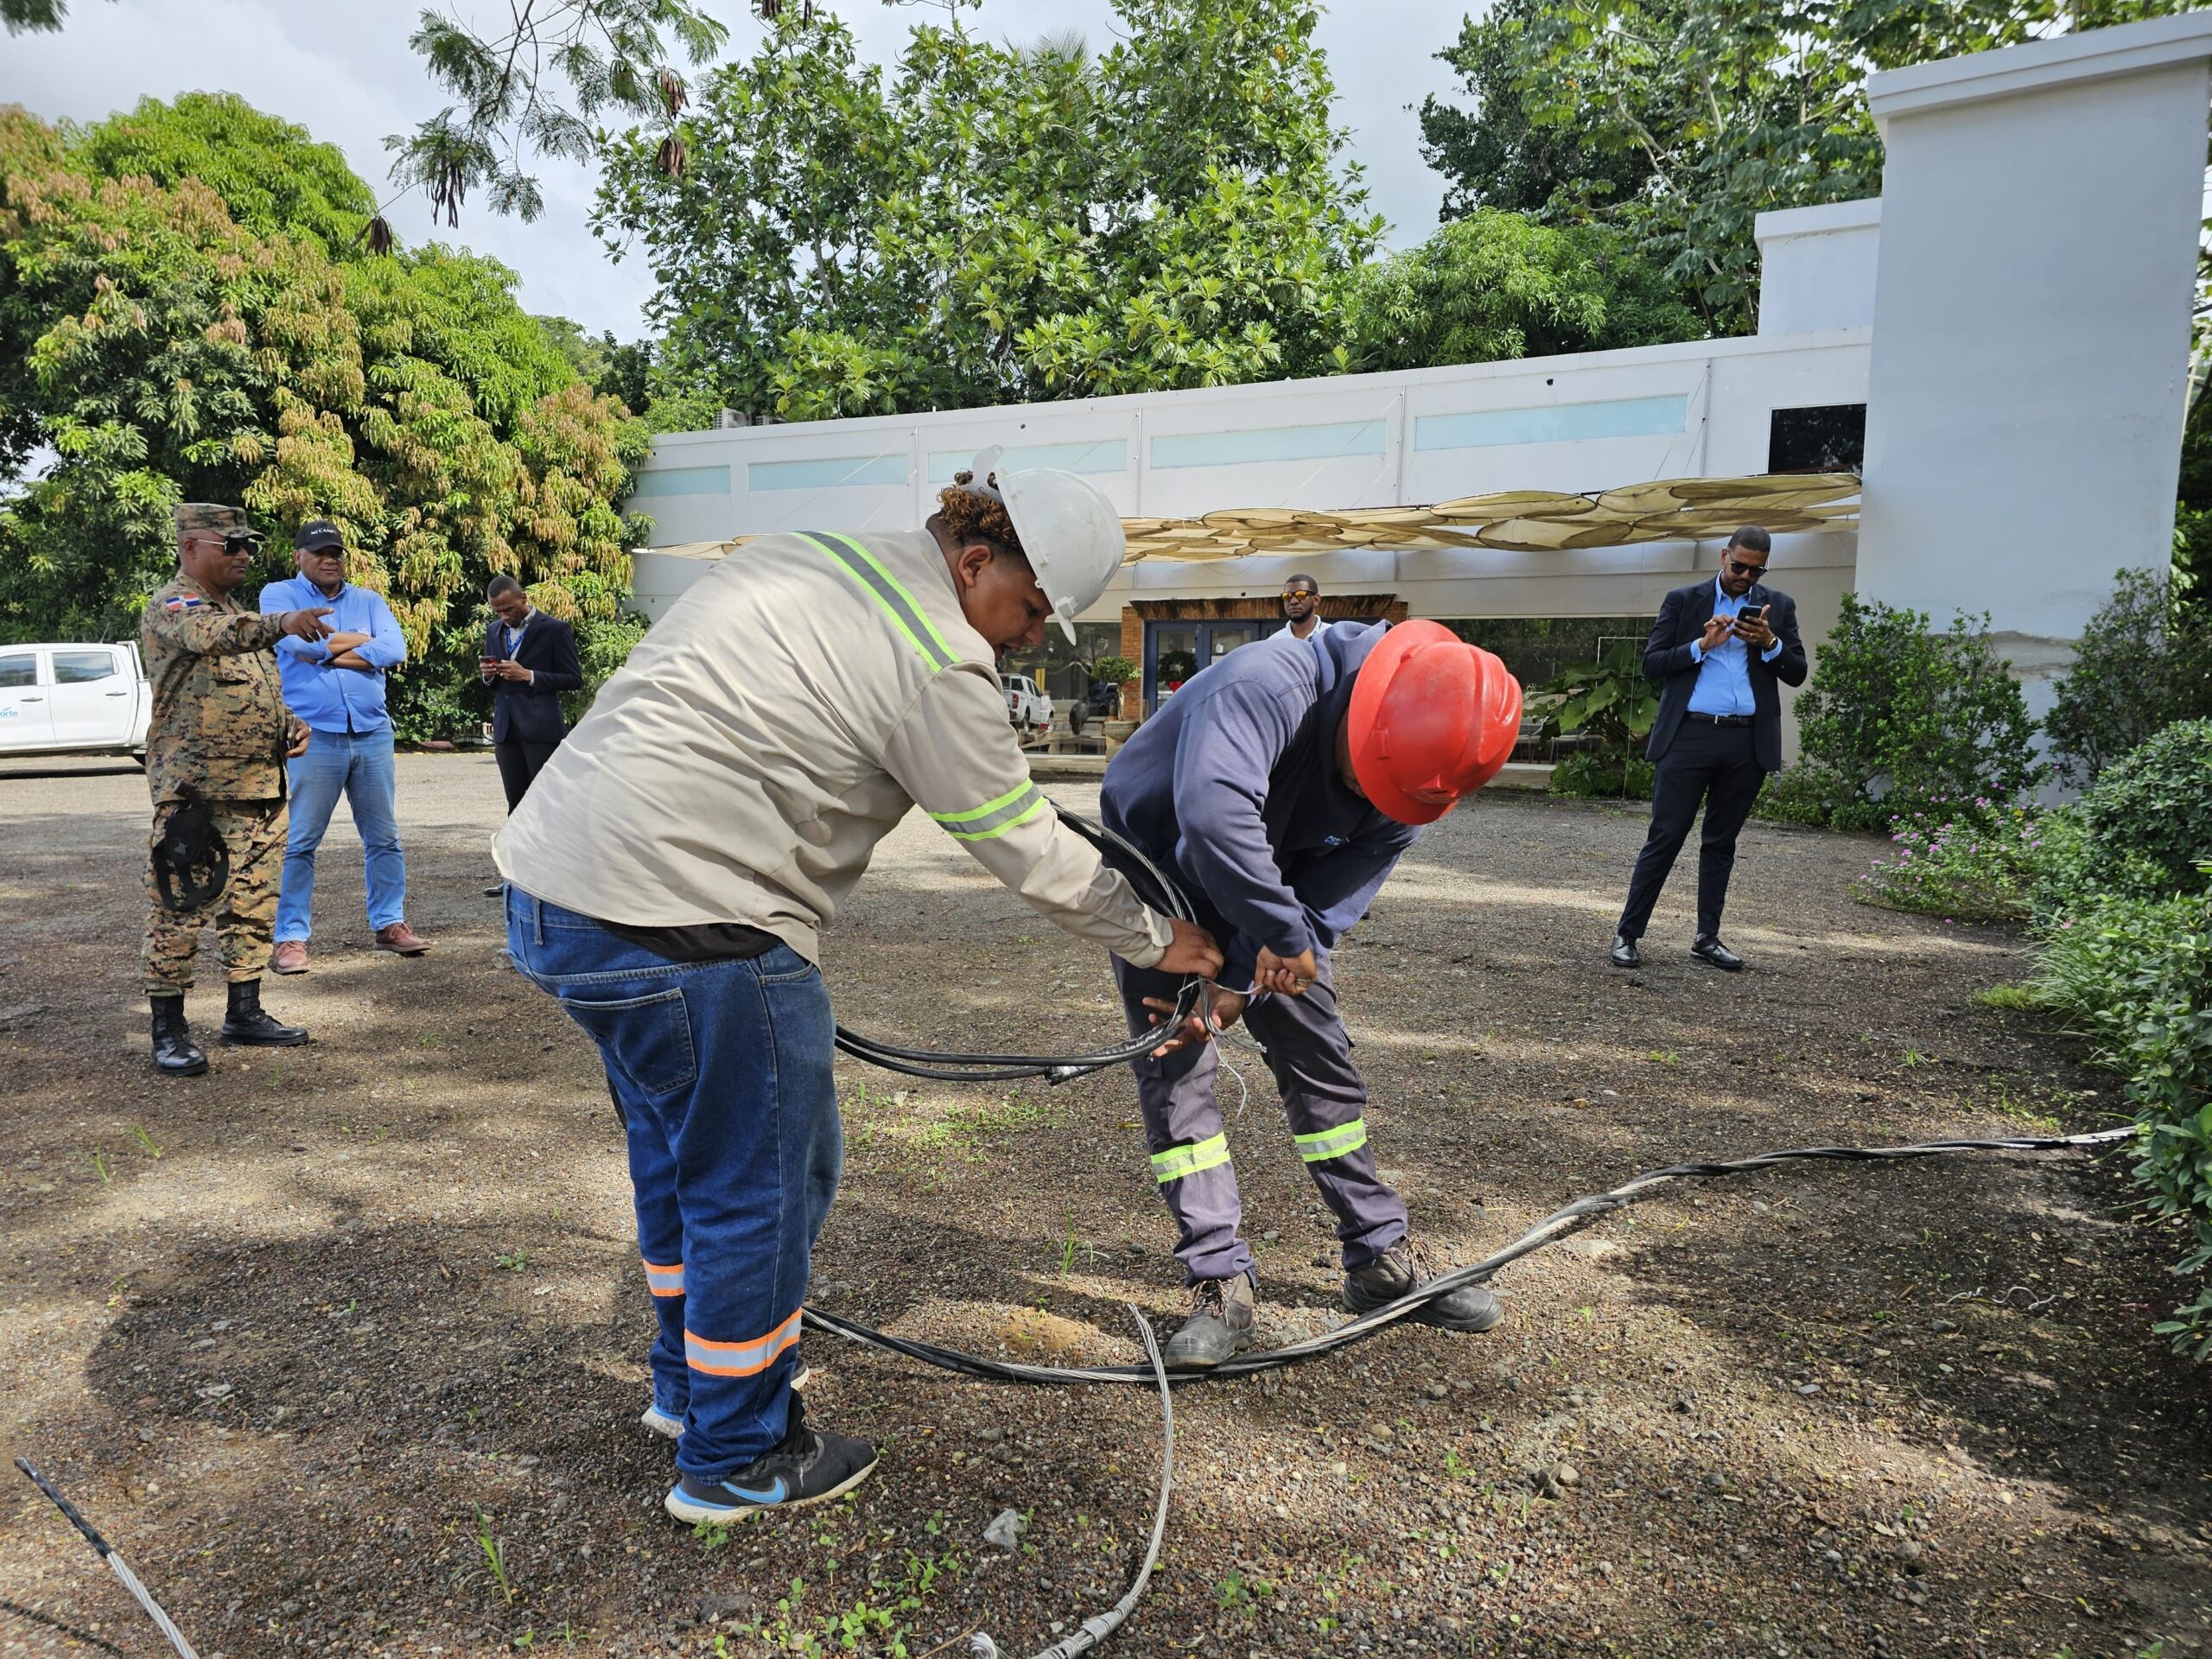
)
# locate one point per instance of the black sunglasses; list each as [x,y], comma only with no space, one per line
[1738,568]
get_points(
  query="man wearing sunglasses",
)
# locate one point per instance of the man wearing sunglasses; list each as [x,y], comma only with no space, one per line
[1301,600]
[1719,647]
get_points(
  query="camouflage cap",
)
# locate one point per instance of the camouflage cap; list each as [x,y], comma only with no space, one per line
[208,516]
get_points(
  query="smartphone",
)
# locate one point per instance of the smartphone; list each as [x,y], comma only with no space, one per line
[1755,613]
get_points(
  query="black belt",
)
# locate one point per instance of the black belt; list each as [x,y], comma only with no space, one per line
[1720,720]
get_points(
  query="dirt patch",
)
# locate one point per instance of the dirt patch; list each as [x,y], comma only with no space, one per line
[344,1345]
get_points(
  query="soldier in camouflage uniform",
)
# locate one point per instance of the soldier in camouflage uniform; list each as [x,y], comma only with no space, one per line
[215,754]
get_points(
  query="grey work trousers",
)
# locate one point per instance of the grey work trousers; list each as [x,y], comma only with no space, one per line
[1323,1101]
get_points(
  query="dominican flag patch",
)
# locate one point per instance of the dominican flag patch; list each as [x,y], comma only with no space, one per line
[177,602]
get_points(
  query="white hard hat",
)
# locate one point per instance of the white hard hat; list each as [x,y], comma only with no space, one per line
[1067,527]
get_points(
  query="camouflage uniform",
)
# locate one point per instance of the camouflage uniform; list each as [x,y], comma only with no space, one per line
[219,728]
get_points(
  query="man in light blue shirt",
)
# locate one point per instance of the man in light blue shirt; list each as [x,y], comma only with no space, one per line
[1724,681]
[1722,651]
[336,686]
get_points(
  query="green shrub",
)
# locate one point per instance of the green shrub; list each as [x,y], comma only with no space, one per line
[2146,663]
[2134,975]
[1977,863]
[1601,774]
[2148,823]
[1900,721]
[1611,701]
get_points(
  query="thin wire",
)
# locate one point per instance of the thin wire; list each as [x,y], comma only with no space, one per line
[1567,1219]
[1093,1632]
[116,1563]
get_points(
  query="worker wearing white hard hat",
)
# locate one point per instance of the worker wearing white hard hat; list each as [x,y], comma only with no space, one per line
[673,869]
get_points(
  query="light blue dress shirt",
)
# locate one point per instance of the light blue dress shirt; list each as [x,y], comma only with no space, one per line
[1724,675]
[336,699]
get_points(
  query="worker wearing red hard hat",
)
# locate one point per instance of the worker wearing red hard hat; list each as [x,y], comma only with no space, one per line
[1280,787]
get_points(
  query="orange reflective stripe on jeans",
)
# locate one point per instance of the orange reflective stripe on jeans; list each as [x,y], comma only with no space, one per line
[664,1280]
[740,1358]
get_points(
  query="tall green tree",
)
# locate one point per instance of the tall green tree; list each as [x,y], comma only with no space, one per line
[168,346]
[1682,120]
[993,223]
[1497,285]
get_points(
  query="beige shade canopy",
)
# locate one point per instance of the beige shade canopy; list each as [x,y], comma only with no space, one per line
[1515,521]
[1520,521]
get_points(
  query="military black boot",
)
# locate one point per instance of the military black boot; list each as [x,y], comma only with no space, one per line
[1220,1326]
[174,1052]
[246,1025]
[1402,1269]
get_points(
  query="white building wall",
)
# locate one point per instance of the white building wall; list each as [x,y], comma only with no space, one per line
[1586,422]
[2038,259]
[1816,267]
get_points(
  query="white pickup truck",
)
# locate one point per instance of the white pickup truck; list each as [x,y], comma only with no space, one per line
[1027,707]
[73,700]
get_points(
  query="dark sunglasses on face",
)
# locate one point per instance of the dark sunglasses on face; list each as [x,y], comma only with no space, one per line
[1298,592]
[1738,567]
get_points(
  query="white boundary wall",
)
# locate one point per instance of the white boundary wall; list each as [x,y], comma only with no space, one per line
[2038,255]
[1585,422]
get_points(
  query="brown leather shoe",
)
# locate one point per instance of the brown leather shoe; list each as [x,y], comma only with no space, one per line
[402,940]
[291,957]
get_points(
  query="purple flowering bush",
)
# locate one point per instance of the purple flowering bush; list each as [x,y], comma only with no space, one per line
[1972,860]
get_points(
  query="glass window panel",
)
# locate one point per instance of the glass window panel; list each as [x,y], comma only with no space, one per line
[78,667]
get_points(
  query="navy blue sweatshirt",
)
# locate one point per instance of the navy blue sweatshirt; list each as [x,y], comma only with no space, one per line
[1233,787]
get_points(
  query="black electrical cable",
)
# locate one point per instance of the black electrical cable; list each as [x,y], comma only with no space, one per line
[1567,1219]
[1154,886]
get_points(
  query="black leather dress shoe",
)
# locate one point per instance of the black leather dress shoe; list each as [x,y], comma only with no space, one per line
[1710,951]
[1625,955]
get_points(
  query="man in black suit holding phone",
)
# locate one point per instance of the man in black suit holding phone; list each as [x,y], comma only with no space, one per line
[1720,647]
[529,659]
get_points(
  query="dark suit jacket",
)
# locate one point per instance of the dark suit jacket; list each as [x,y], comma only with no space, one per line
[532,713]
[1682,617]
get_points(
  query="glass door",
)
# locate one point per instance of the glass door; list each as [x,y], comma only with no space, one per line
[1171,651]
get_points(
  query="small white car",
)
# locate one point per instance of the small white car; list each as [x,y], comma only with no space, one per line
[73,699]
[1027,707]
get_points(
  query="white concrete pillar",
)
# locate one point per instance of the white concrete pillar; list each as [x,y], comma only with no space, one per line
[2031,327]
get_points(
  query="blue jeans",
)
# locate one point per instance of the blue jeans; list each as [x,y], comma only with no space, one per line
[359,763]
[722,1072]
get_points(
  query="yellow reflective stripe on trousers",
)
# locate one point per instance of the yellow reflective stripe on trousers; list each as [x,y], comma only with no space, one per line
[889,592]
[993,818]
[1176,1162]
[1324,1144]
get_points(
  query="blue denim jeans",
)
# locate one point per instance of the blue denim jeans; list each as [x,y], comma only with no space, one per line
[359,763]
[722,1072]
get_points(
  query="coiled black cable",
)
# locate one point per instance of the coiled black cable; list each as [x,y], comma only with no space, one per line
[1154,886]
[1567,1219]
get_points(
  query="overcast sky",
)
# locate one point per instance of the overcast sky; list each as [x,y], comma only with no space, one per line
[342,69]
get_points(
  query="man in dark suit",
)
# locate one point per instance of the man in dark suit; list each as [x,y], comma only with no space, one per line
[1719,646]
[529,659]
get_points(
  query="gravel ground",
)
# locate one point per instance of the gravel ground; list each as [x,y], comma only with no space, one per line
[309,1334]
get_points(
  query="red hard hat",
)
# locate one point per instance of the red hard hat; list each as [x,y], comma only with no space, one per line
[1432,718]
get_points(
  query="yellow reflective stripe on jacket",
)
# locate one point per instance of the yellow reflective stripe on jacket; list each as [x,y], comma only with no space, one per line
[889,592]
[993,818]
[1176,1162]
[1324,1144]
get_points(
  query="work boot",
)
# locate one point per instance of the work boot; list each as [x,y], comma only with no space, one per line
[246,1025]
[174,1052]
[291,957]
[1402,1269]
[1220,1326]
[806,1466]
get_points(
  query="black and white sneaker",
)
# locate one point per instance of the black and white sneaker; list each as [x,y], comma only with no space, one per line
[809,1466]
